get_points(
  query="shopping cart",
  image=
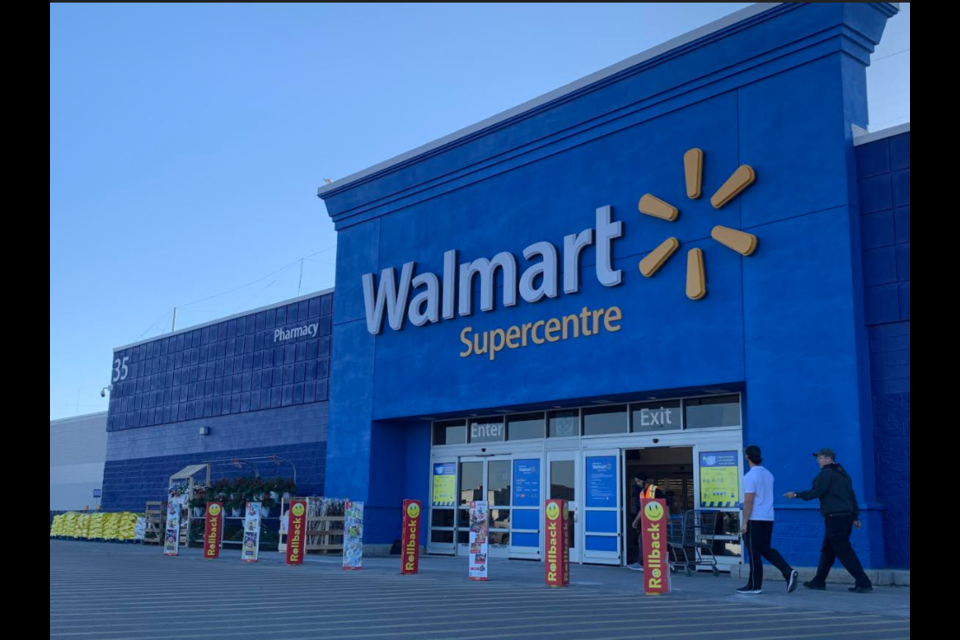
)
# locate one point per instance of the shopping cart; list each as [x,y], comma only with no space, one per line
[690,540]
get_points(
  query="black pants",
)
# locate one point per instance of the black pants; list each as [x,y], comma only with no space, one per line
[759,536]
[836,546]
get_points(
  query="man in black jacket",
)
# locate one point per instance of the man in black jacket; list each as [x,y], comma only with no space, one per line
[841,513]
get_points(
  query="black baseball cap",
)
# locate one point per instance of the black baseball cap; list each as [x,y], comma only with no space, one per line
[830,453]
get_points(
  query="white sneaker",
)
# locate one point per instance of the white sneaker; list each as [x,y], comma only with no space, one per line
[792,581]
[746,591]
[636,566]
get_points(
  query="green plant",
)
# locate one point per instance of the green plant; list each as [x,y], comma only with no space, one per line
[219,490]
[273,484]
[257,488]
[240,486]
[288,486]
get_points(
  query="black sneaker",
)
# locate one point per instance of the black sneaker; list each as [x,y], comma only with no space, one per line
[748,591]
[792,581]
[815,586]
[860,589]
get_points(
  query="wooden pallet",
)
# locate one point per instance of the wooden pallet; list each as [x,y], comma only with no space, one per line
[156,515]
[320,533]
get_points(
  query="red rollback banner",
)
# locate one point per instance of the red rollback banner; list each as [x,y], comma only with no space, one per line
[297,532]
[213,530]
[656,567]
[410,540]
[556,528]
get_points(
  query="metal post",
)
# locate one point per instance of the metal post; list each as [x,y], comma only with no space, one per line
[300,284]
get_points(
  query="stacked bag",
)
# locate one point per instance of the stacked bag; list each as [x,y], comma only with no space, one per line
[82,530]
[97,526]
[64,525]
[140,528]
[120,526]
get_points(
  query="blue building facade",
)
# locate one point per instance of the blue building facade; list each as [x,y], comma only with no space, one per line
[247,394]
[883,167]
[638,273]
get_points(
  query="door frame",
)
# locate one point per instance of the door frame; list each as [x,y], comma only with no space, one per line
[608,557]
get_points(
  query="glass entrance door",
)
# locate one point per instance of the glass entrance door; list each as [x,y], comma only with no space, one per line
[603,538]
[443,506]
[499,480]
[563,478]
[490,479]
[527,515]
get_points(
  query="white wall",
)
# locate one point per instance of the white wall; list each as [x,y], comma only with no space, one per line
[78,448]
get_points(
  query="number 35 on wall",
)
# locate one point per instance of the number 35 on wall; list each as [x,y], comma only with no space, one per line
[120,369]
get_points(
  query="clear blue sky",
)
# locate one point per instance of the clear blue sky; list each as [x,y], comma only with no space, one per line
[187,141]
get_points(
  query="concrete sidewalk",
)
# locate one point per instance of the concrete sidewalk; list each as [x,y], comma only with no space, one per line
[446,572]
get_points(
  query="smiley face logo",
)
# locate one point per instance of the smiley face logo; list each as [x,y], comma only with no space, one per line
[413,510]
[653,511]
[215,510]
[553,511]
[299,509]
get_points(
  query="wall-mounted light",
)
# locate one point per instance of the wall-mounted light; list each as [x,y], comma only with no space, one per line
[204,431]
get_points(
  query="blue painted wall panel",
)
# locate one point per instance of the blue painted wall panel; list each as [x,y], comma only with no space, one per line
[129,483]
[889,330]
[219,378]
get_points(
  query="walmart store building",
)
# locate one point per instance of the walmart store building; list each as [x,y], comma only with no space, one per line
[639,273]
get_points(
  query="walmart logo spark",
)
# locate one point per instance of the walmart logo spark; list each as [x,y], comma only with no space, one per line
[743,243]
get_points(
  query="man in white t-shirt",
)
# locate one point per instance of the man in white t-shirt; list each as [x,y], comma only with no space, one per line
[757,529]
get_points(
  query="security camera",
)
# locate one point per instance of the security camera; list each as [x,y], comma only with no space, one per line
[103,392]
